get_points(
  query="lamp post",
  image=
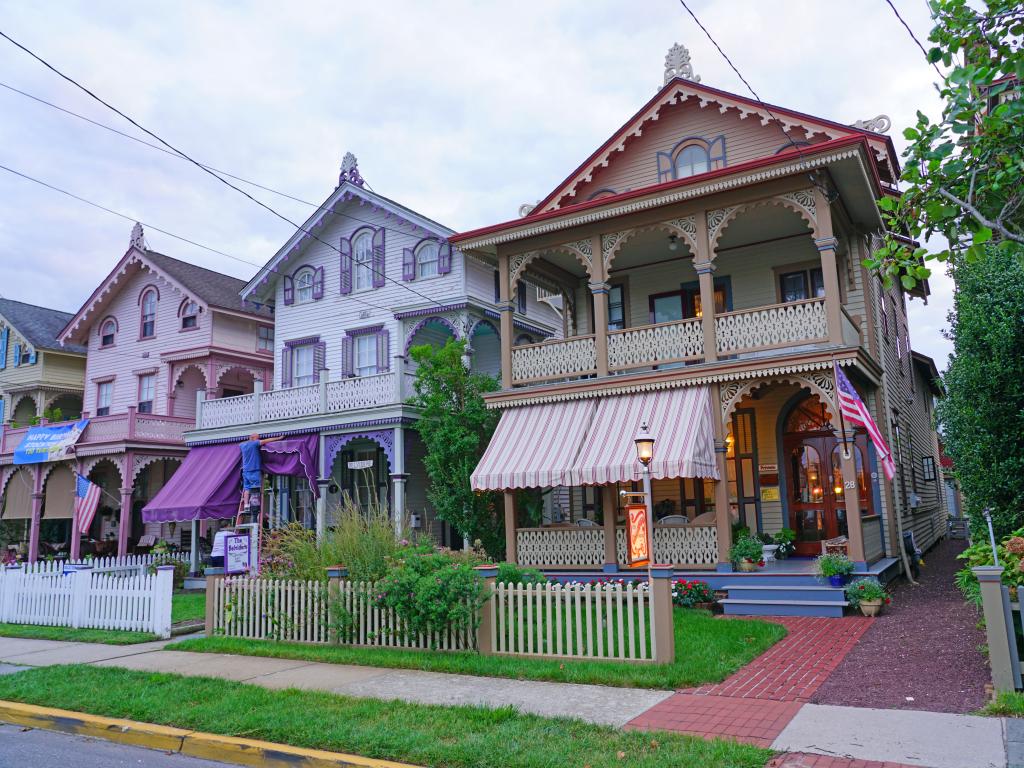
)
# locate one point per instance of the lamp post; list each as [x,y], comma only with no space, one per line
[644,442]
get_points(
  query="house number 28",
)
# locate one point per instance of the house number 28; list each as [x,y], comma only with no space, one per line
[850,484]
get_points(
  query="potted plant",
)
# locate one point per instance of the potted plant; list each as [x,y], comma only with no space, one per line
[835,568]
[868,595]
[746,553]
[785,541]
[768,547]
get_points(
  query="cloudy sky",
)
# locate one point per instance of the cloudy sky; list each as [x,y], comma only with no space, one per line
[460,110]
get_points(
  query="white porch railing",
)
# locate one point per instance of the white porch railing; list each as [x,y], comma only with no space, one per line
[674,342]
[693,546]
[557,547]
[780,325]
[557,359]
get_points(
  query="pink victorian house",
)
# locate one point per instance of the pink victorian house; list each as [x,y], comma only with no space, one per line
[160,335]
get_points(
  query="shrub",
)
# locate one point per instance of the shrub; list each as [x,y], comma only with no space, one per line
[786,539]
[748,548]
[688,593]
[510,573]
[865,589]
[834,565]
[1011,557]
[180,568]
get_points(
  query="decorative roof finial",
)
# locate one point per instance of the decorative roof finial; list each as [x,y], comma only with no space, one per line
[350,171]
[677,64]
[138,238]
[878,124]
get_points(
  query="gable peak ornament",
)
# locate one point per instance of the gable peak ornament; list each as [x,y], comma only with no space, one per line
[677,64]
[879,124]
[138,238]
[350,171]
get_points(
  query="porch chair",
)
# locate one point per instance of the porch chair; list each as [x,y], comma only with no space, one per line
[840,545]
[674,520]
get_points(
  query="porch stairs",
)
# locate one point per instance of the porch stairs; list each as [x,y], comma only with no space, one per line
[800,598]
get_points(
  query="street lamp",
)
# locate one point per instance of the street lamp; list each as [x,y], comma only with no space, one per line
[644,442]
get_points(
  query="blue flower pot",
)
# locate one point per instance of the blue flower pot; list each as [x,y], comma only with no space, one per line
[837,581]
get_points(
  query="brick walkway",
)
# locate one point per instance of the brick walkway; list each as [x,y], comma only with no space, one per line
[805,760]
[756,703]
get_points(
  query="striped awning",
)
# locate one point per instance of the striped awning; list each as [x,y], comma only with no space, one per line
[590,442]
[680,421]
[534,446]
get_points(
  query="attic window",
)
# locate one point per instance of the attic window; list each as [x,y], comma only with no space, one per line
[107,333]
[148,329]
[691,156]
[304,285]
[189,315]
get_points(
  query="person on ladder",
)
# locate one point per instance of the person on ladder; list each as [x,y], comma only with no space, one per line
[252,476]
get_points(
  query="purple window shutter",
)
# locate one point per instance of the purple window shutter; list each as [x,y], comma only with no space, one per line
[408,264]
[378,258]
[383,351]
[318,283]
[289,290]
[286,367]
[319,360]
[346,356]
[346,265]
[444,258]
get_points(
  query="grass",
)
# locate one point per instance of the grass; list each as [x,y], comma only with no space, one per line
[707,650]
[188,606]
[1007,704]
[445,737]
[67,634]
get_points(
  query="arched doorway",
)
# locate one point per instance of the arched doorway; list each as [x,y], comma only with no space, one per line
[189,382]
[101,538]
[361,474]
[815,486]
[236,381]
[24,411]
[16,512]
[486,344]
[66,407]
[55,528]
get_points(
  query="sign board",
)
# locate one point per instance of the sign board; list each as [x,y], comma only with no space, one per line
[638,538]
[767,469]
[237,554]
[367,464]
[770,493]
[42,444]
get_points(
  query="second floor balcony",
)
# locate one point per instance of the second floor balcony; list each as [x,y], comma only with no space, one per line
[114,431]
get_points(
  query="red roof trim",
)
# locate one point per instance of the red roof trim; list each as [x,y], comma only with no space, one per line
[812,150]
[716,92]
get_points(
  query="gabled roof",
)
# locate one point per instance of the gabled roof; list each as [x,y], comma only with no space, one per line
[39,326]
[678,90]
[206,287]
[345,193]
[929,371]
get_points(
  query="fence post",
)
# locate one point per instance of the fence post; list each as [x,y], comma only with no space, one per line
[996,627]
[662,621]
[213,577]
[163,586]
[81,586]
[335,575]
[486,628]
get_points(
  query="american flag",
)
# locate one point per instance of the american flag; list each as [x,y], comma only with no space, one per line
[87,498]
[854,411]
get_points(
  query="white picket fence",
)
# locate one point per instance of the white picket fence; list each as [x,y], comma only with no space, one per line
[591,621]
[112,563]
[281,609]
[139,602]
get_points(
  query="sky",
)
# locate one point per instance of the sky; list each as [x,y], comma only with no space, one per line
[462,111]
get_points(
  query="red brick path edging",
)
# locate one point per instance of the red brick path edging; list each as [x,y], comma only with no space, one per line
[757,702]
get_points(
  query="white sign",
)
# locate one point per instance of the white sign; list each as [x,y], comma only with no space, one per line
[767,469]
[367,464]
[237,554]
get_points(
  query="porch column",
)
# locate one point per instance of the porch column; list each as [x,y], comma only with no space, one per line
[706,275]
[37,514]
[194,549]
[610,510]
[511,522]
[76,536]
[125,525]
[827,245]
[171,391]
[506,308]
[398,478]
[723,518]
[851,497]
[321,507]
[599,291]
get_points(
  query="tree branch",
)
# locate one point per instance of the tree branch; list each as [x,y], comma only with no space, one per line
[995,226]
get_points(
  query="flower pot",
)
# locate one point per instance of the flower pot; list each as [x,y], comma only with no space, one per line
[768,552]
[837,581]
[709,606]
[747,566]
[871,607]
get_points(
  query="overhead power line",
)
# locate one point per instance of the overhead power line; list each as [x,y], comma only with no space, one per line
[914,38]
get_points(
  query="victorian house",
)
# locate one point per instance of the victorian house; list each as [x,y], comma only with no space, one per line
[158,335]
[359,284]
[709,256]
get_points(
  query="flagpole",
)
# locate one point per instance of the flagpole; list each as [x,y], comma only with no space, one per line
[842,421]
[108,495]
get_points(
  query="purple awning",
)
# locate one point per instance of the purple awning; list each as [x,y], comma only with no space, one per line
[206,486]
[296,456]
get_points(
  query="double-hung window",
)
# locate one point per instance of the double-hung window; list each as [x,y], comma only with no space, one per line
[148,329]
[107,332]
[265,340]
[304,286]
[616,308]
[802,284]
[366,355]
[362,261]
[189,316]
[427,260]
[302,365]
[104,394]
[147,392]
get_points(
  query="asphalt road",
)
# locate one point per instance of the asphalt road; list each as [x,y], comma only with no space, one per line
[48,749]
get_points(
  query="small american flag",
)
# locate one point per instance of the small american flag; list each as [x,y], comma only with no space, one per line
[87,498]
[854,410]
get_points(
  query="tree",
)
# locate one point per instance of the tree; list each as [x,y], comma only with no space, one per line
[456,426]
[982,414]
[962,174]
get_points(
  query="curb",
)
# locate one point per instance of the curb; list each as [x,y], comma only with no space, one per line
[210,746]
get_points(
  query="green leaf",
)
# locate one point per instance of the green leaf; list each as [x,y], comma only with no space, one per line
[982,235]
[908,282]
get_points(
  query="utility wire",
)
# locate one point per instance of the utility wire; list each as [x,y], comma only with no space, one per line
[155,228]
[204,168]
[914,38]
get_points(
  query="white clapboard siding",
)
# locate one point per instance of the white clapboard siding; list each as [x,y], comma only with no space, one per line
[608,621]
[139,602]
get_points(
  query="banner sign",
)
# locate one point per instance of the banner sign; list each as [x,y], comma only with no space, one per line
[236,554]
[42,444]
[638,537]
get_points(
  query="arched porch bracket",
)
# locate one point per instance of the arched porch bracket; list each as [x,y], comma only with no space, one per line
[385,438]
[801,202]
[140,462]
[421,324]
[684,227]
[820,383]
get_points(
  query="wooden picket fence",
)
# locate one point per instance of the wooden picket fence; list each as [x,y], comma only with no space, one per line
[112,563]
[580,621]
[139,602]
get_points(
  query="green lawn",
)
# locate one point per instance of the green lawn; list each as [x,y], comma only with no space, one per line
[188,606]
[108,636]
[445,737]
[1007,704]
[707,650]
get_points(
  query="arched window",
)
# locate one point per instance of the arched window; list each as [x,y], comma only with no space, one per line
[189,315]
[148,314]
[691,156]
[304,285]
[362,260]
[427,259]
[691,160]
[108,331]
[603,192]
[809,416]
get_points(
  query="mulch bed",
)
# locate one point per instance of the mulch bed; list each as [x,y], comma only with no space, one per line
[923,652]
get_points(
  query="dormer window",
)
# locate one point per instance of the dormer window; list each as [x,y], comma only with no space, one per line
[108,332]
[304,285]
[427,260]
[189,315]
[148,329]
